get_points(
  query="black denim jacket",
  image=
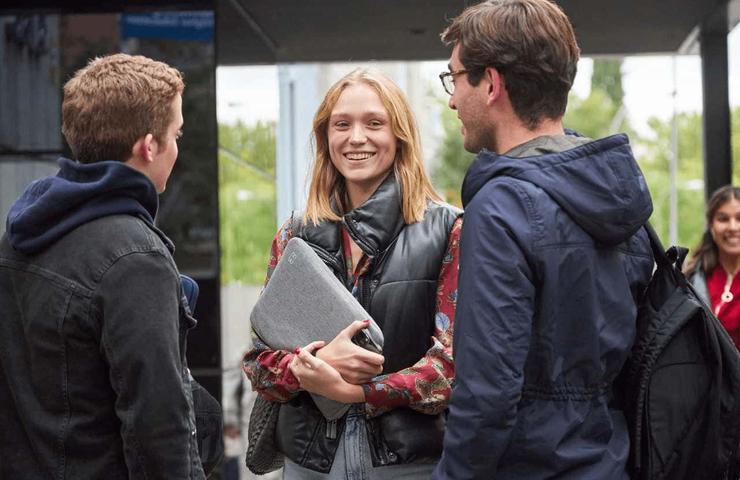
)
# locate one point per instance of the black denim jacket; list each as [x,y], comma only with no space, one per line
[92,354]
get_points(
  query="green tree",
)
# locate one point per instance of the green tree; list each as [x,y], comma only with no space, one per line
[653,156]
[592,116]
[596,116]
[602,112]
[454,160]
[607,76]
[247,200]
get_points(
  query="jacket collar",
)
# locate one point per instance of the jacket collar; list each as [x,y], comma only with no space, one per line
[377,222]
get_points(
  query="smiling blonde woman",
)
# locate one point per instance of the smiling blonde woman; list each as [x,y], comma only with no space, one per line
[376,221]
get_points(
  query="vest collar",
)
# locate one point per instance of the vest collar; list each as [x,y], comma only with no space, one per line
[377,222]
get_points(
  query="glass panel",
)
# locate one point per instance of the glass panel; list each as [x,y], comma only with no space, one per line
[40,52]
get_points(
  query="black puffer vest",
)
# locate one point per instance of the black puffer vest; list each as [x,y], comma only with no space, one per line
[399,292]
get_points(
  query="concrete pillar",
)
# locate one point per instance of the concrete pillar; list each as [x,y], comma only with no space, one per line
[299,99]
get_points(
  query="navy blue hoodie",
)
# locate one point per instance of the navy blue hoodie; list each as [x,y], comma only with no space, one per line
[553,260]
[53,206]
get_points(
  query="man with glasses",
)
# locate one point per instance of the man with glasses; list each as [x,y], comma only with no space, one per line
[553,258]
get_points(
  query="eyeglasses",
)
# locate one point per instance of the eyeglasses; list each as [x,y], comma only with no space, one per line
[448,80]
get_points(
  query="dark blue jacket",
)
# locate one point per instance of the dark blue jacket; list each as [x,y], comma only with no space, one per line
[93,327]
[552,264]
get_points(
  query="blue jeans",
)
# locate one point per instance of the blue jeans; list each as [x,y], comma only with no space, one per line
[353,461]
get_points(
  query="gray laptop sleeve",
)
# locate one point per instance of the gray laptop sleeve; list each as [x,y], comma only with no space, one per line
[304,302]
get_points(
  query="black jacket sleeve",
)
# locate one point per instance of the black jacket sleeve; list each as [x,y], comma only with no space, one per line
[139,303]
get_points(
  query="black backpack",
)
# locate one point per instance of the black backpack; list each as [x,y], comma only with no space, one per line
[680,387]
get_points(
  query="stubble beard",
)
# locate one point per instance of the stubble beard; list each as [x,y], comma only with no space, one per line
[475,141]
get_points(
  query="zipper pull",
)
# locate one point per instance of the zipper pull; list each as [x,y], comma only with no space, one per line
[331,429]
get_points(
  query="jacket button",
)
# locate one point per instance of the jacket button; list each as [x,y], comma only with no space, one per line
[324,463]
[391,456]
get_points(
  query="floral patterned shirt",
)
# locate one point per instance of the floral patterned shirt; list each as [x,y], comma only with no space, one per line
[424,386]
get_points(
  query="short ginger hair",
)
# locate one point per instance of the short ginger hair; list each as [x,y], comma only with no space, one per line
[115,100]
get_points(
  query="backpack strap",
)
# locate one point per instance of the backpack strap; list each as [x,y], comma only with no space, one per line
[673,256]
[656,245]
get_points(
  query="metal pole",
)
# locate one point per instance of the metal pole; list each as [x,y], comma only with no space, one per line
[673,167]
[715,86]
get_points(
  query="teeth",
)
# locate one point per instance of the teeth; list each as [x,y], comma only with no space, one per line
[358,156]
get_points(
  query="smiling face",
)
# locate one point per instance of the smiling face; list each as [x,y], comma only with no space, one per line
[362,145]
[725,228]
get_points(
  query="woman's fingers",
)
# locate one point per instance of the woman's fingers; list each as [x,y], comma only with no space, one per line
[367,368]
[354,327]
[370,357]
[309,360]
[313,346]
[358,366]
[308,349]
[302,356]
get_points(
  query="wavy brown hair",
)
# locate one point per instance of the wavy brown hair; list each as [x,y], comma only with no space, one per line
[706,255]
[115,100]
[530,42]
[328,185]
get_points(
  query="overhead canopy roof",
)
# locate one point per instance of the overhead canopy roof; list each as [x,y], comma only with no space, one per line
[333,30]
[261,31]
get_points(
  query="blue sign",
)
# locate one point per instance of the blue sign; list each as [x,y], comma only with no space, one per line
[168,25]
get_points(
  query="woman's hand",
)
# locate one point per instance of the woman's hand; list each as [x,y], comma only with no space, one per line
[317,376]
[355,364]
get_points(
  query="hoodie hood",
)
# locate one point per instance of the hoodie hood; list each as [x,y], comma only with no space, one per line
[51,207]
[598,184]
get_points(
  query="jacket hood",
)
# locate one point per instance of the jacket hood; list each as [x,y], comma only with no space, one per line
[598,184]
[51,207]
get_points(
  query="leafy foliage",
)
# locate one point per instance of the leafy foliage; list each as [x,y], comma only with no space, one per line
[607,76]
[592,117]
[602,114]
[454,160]
[247,157]
[653,156]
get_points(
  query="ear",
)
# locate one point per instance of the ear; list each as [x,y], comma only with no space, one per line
[495,85]
[145,148]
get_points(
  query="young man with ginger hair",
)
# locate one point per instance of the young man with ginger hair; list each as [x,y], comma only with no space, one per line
[92,342]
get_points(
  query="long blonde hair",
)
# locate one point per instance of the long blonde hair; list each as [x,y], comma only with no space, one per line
[327,183]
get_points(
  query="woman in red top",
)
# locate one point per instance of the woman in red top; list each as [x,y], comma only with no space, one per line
[713,268]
